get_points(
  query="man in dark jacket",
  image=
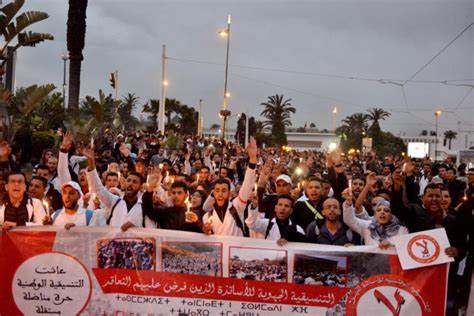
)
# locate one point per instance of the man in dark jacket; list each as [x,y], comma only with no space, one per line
[428,216]
[176,217]
[309,210]
[332,232]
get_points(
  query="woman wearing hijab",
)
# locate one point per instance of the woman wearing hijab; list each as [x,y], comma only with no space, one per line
[377,231]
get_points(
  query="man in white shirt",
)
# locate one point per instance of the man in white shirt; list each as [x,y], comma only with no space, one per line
[279,228]
[73,214]
[18,208]
[227,217]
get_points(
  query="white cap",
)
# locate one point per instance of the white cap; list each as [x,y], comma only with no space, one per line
[73,185]
[285,178]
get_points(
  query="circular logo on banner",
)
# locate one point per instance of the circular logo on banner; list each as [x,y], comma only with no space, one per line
[384,295]
[51,283]
[423,249]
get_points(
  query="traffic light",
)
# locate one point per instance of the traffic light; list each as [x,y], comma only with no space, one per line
[112,80]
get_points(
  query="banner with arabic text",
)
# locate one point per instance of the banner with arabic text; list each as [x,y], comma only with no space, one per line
[102,271]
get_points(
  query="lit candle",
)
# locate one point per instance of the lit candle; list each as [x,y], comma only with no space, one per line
[350,187]
[464,198]
[188,209]
[46,207]
[188,204]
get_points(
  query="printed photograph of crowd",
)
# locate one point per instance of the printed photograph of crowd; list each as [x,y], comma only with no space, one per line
[258,264]
[192,258]
[316,268]
[320,270]
[126,253]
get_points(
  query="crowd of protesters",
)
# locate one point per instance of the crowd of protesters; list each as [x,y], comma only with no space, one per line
[216,187]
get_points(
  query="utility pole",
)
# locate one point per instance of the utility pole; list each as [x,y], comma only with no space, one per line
[224,112]
[64,57]
[164,84]
[200,119]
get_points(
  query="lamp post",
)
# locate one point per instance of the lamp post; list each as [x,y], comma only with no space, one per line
[334,113]
[64,57]
[164,85]
[224,113]
[437,114]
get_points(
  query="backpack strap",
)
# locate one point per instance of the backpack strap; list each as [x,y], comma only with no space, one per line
[112,211]
[317,215]
[55,215]
[269,228]
[89,214]
[30,203]
[243,227]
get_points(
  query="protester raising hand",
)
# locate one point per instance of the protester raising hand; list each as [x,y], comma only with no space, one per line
[252,150]
[66,143]
[89,153]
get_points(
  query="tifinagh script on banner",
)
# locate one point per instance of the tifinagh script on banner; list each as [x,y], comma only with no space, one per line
[99,271]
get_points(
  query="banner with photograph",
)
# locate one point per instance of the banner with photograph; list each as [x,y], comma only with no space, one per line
[102,271]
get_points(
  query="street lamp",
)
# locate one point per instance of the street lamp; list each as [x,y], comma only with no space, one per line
[334,113]
[224,113]
[437,114]
[64,57]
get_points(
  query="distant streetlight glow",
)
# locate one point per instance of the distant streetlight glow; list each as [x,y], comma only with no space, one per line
[298,171]
[227,94]
[332,146]
[165,83]
[334,111]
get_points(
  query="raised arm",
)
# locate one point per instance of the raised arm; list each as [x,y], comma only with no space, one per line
[107,198]
[249,179]
[370,180]
[63,162]
[354,223]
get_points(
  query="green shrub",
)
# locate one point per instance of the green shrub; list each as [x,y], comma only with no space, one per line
[40,141]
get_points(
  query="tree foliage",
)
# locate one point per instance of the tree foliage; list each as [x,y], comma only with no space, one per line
[277,113]
[356,126]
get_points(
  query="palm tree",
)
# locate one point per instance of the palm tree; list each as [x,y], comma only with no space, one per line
[16,110]
[76,34]
[277,113]
[152,109]
[20,107]
[125,110]
[375,115]
[352,129]
[450,135]
[356,123]
[15,29]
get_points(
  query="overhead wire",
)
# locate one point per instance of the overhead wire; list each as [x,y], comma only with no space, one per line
[347,77]
[438,53]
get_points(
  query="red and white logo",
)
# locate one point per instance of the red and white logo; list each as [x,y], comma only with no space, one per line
[385,295]
[423,249]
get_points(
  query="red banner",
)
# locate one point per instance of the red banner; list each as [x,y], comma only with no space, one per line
[97,271]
